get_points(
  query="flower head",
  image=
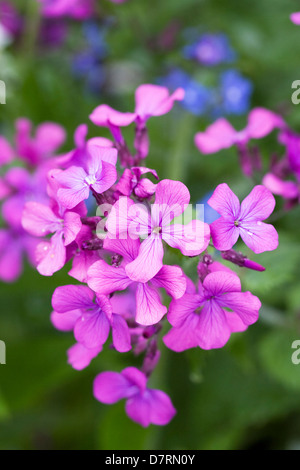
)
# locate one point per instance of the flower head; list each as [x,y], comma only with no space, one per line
[243,220]
[143,405]
[202,319]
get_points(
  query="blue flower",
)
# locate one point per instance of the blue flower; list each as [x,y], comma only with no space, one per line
[210,50]
[235,91]
[197,97]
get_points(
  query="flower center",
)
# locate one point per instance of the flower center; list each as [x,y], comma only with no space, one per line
[236,223]
[90,179]
[198,310]
[157,230]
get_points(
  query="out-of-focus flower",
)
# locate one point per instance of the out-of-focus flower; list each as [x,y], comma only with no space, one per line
[10,20]
[221,134]
[295,17]
[210,50]
[197,98]
[234,93]
[76,9]
[143,405]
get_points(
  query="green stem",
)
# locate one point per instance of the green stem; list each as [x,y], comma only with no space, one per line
[179,166]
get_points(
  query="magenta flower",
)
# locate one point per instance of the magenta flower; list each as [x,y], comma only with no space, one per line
[77,9]
[243,220]
[9,18]
[92,327]
[105,279]
[84,257]
[171,200]
[40,220]
[143,405]
[98,175]
[151,100]
[79,357]
[79,156]
[47,140]
[7,153]
[14,244]
[132,182]
[295,17]
[221,135]
[201,319]
[285,189]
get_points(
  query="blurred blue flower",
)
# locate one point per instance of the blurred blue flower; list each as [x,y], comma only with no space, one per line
[235,91]
[210,50]
[89,64]
[197,97]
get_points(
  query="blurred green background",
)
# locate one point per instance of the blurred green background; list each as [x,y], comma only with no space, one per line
[244,396]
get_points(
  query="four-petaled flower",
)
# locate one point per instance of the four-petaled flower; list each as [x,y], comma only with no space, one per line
[171,200]
[243,220]
[201,319]
[95,319]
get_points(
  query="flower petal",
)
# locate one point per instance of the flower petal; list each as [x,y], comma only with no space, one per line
[92,329]
[149,309]
[213,330]
[244,304]
[258,205]
[259,237]
[120,334]
[224,234]
[68,298]
[191,239]
[80,357]
[110,387]
[219,135]
[148,262]
[172,279]
[39,220]
[225,202]
[105,279]
[104,115]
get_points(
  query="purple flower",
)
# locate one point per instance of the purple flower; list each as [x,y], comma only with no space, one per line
[201,319]
[105,279]
[132,182]
[7,153]
[48,138]
[40,220]
[143,405]
[14,244]
[171,200]
[76,9]
[95,319]
[235,92]
[285,189]
[243,220]
[210,50]
[151,100]
[295,17]
[98,174]
[221,134]
[9,18]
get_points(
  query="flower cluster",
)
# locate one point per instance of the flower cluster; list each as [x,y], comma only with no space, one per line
[282,177]
[120,255]
[232,92]
[24,168]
